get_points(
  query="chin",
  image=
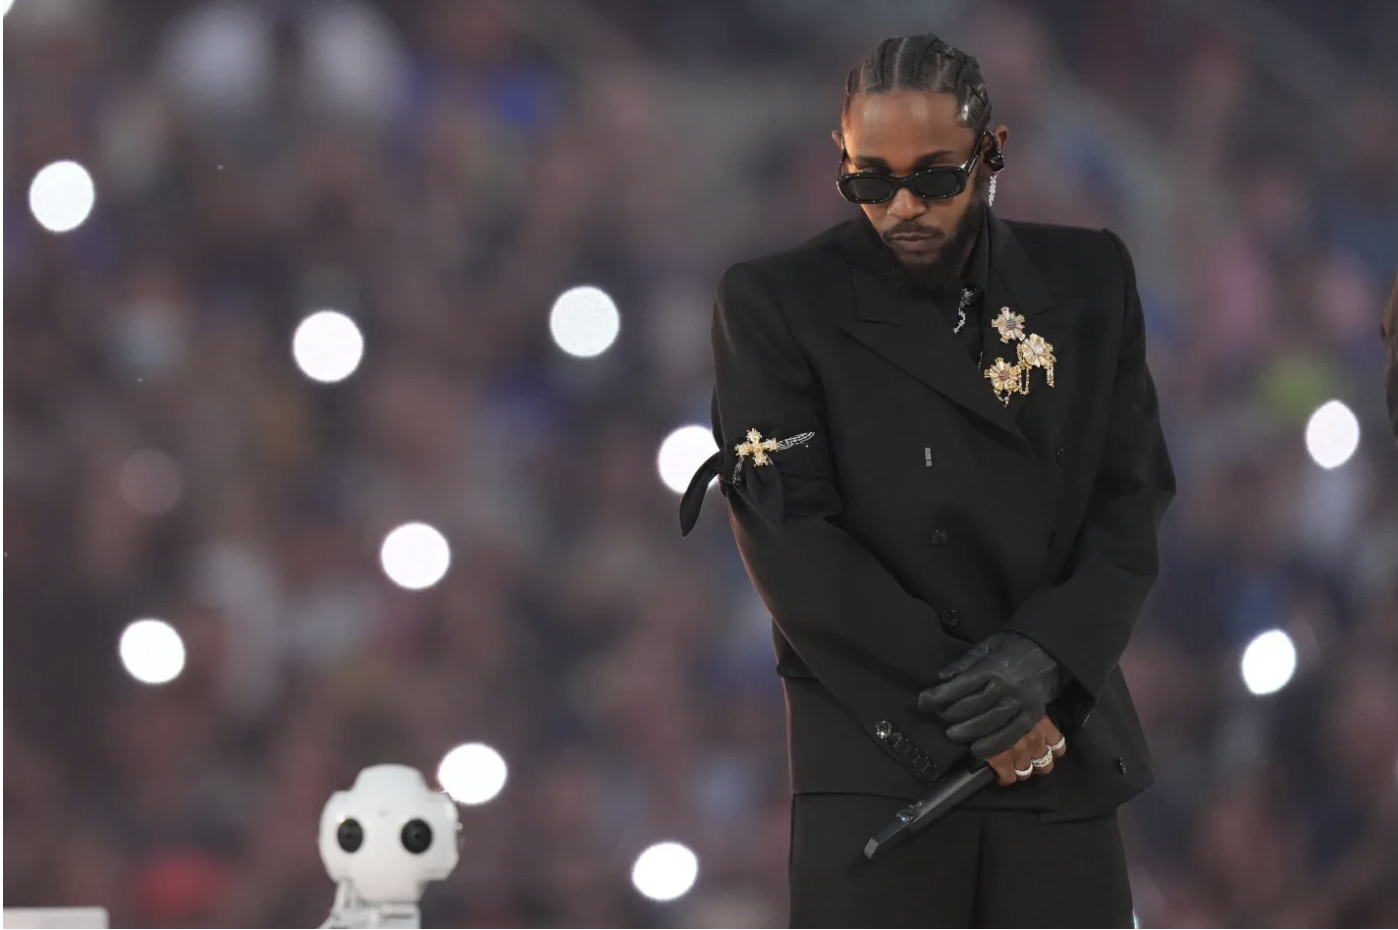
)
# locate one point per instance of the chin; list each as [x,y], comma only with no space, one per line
[917,262]
[916,259]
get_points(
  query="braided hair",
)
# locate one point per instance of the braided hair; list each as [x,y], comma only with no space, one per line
[923,62]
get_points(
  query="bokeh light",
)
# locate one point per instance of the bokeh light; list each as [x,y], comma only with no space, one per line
[415,556]
[472,773]
[151,651]
[151,482]
[584,321]
[1269,661]
[665,871]
[1332,434]
[61,196]
[328,346]
[681,453]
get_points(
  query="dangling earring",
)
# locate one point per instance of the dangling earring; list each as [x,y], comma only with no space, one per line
[990,201]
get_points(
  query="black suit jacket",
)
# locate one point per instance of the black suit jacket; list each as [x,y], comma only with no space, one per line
[922,515]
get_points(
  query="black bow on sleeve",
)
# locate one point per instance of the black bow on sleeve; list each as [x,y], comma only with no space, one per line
[760,487]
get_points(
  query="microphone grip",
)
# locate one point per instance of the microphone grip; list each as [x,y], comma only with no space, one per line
[948,792]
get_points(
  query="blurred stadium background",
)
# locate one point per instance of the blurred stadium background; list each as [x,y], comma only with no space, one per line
[181,445]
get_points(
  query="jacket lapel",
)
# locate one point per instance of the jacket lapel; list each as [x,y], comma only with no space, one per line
[909,333]
[1016,284]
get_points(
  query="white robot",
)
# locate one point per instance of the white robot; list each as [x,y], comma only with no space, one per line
[382,842]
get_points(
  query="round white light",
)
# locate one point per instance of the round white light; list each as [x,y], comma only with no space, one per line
[682,452]
[152,652]
[665,871]
[584,321]
[151,482]
[61,196]
[1332,434]
[415,556]
[472,773]
[328,346]
[1269,662]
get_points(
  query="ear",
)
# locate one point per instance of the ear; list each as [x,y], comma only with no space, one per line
[839,138]
[1001,134]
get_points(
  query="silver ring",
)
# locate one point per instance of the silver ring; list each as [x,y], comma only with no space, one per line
[1043,761]
[1026,773]
[1062,741]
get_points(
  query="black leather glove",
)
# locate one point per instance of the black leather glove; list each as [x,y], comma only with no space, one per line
[994,694]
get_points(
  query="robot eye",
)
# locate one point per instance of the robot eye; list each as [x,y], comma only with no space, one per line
[416,836]
[350,835]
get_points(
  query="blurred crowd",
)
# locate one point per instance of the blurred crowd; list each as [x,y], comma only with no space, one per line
[440,171]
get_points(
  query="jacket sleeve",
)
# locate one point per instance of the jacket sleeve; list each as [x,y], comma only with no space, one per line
[867,640]
[1085,620]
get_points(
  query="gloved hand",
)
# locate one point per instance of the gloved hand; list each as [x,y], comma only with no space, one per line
[994,694]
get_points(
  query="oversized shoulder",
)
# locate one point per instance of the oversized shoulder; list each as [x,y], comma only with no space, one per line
[823,249]
[1072,260]
[812,267]
[1090,270]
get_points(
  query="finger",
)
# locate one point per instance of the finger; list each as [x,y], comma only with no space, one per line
[1034,744]
[1052,736]
[998,742]
[957,688]
[1004,768]
[987,723]
[1037,749]
[968,659]
[1020,756]
[972,705]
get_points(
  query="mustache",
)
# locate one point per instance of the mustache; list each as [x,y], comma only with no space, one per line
[909,228]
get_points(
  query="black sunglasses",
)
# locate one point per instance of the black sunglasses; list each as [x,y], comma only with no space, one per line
[936,183]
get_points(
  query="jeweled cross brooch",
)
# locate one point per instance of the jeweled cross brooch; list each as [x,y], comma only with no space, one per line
[757,447]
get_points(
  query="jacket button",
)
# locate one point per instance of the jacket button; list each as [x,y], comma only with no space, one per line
[883,729]
[939,538]
[1058,456]
[951,617]
[1121,766]
[1052,539]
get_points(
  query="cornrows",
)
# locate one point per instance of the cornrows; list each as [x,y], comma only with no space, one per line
[923,62]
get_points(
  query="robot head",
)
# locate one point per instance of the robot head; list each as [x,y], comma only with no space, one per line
[389,835]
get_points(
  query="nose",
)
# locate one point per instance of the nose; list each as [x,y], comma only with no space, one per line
[906,205]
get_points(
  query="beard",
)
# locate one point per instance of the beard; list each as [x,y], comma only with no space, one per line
[942,275]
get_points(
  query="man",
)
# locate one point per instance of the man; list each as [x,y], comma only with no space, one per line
[942,456]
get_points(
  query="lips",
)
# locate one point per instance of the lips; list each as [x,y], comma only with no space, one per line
[915,237]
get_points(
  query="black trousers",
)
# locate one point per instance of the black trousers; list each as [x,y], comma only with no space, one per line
[970,869]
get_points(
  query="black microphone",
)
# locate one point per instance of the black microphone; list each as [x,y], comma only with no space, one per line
[949,792]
